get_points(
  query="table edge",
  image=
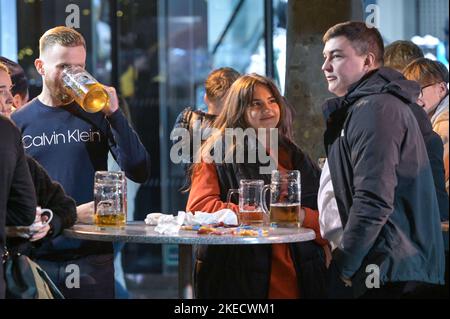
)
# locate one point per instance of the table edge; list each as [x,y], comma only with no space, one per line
[170,239]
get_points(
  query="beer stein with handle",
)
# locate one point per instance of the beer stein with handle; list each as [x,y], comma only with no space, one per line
[82,87]
[285,199]
[252,207]
[110,198]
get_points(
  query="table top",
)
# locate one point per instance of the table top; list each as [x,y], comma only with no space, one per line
[139,232]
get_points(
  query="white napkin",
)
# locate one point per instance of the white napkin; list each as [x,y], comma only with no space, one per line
[226,216]
[152,219]
[169,224]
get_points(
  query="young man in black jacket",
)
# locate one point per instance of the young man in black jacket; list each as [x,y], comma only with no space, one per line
[17,199]
[380,172]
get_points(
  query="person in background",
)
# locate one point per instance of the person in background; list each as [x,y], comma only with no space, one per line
[399,54]
[216,86]
[385,197]
[49,194]
[256,271]
[433,79]
[17,196]
[71,145]
[20,82]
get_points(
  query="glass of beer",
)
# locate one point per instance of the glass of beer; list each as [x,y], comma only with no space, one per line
[252,209]
[110,200]
[82,87]
[285,195]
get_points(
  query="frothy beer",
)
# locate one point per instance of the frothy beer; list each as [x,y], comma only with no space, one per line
[82,87]
[94,100]
[286,215]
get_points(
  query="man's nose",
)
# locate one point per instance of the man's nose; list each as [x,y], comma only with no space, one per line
[326,65]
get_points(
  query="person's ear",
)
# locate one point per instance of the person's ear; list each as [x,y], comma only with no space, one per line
[443,90]
[17,101]
[39,65]
[370,62]
[206,100]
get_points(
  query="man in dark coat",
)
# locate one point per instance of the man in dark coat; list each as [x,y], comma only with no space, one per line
[17,199]
[380,172]
[49,193]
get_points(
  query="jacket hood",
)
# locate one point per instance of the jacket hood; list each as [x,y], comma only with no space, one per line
[382,80]
[441,108]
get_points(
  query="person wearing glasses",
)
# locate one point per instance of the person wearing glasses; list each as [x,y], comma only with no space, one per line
[398,55]
[433,79]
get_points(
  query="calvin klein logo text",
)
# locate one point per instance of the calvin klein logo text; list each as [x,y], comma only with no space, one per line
[75,136]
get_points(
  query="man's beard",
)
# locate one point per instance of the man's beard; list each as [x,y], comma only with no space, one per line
[57,92]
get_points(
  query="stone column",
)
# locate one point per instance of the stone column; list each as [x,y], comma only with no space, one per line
[306,87]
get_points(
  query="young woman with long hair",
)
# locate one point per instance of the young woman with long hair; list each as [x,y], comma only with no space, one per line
[255,271]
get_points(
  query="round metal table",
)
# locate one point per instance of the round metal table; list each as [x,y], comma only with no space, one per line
[138,232]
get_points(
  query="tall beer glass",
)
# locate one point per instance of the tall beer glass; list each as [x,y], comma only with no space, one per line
[110,198]
[251,203]
[84,89]
[285,199]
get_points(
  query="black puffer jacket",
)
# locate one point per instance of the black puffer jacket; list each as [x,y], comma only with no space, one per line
[383,183]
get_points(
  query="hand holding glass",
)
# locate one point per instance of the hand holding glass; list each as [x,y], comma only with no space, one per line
[84,89]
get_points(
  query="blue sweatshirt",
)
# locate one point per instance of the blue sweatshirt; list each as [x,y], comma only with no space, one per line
[72,144]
